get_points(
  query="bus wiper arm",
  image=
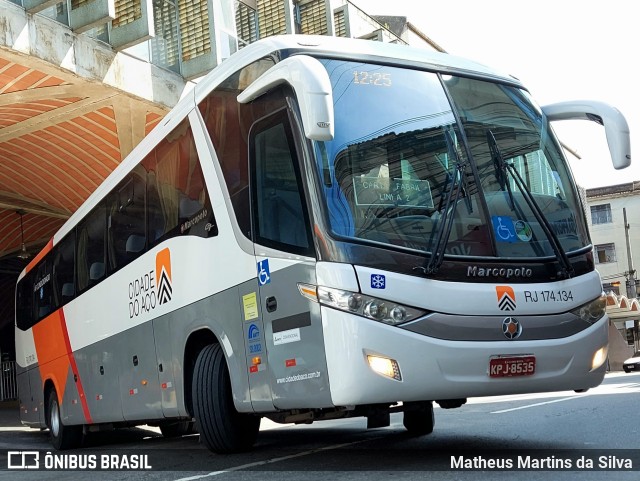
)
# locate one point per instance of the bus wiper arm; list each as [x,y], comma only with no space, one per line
[508,168]
[500,166]
[448,213]
[461,167]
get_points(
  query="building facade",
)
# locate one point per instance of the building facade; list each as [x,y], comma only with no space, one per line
[191,37]
[615,239]
[614,223]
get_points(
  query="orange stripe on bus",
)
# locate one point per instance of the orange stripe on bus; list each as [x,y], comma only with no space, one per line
[45,250]
[55,358]
[74,368]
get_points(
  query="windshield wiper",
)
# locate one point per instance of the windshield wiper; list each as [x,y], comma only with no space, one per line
[502,169]
[458,184]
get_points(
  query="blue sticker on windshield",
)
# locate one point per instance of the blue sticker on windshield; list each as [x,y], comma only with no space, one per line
[503,228]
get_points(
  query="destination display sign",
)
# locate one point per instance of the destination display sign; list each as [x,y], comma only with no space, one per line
[381,191]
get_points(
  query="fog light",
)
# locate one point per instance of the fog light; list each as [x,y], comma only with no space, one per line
[599,357]
[386,367]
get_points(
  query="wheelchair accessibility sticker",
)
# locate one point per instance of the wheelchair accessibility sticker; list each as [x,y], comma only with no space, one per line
[504,229]
[264,276]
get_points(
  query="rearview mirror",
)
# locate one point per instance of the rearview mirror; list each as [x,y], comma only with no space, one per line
[615,125]
[312,87]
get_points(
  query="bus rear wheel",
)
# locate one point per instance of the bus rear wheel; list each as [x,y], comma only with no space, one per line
[61,436]
[418,419]
[222,429]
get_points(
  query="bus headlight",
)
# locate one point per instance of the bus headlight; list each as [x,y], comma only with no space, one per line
[366,306]
[592,311]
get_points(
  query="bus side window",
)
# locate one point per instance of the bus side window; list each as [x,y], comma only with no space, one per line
[177,198]
[281,219]
[126,238]
[63,270]
[42,290]
[24,303]
[91,248]
[228,124]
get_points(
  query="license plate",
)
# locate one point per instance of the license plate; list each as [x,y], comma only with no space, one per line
[512,366]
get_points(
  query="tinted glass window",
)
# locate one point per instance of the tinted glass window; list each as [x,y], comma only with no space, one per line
[63,270]
[126,209]
[281,220]
[24,303]
[91,248]
[228,125]
[178,201]
[43,302]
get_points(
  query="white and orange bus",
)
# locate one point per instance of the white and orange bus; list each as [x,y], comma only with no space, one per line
[322,228]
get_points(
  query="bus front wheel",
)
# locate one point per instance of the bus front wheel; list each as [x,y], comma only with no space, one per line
[418,418]
[222,429]
[61,436]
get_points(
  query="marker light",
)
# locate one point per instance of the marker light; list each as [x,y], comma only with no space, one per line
[593,311]
[308,291]
[386,367]
[599,357]
[360,304]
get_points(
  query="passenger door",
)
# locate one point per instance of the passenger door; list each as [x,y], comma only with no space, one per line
[285,256]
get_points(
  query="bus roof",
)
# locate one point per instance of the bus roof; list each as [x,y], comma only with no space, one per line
[347,48]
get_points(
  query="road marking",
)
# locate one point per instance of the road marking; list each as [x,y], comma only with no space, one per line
[537,404]
[276,460]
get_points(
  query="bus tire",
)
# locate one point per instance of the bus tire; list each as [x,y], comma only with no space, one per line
[178,428]
[419,422]
[61,436]
[222,429]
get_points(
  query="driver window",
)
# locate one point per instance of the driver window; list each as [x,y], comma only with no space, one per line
[280,219]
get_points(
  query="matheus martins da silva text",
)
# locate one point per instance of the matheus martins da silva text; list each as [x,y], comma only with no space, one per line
[547,462]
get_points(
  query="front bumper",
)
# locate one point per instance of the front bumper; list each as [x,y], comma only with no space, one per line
[434,369]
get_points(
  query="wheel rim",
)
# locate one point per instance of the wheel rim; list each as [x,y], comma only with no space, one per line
[55,419]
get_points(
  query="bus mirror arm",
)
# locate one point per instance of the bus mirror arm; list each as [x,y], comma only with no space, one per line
[615,125]
[312,86]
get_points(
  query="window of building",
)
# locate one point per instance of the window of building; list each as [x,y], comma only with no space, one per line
[605,253]
[601,214]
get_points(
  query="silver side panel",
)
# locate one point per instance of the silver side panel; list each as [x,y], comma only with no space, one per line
[98,369]
[294,339]
[139,383]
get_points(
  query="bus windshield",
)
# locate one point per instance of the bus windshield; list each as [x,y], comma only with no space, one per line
[430,162]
